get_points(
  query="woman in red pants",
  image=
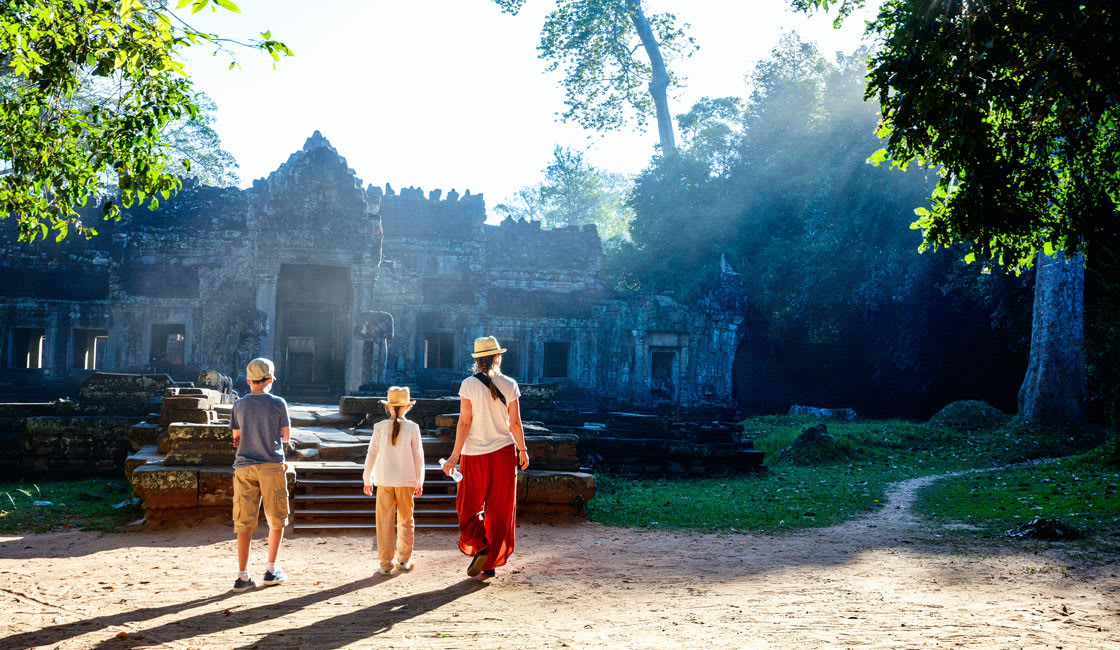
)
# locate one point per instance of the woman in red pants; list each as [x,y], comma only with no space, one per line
[489,447]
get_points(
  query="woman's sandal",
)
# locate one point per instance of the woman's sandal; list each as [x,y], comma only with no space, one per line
[477,561]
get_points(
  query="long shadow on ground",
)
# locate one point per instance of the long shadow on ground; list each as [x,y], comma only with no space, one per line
[368,622]
[185,628]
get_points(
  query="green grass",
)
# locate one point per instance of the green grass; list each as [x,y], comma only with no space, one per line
[1082,491]
[872,455]
[86,504]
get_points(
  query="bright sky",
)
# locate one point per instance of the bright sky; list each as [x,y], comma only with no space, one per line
[450,93]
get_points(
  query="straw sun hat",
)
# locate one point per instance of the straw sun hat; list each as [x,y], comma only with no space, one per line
[398,396]
[486,346]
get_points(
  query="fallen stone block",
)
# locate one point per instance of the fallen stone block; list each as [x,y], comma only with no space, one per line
[145,456]
[555,452]
[143,434]
[123,393]
[359,406]
[190,391]
[216,434]
[91,426]
[169,417]
[333,435]
[330,451]
[817,412]
[199,457]
[305,455]
[215,486]
[574,489]
[162,487]
[303,439]
[187,403]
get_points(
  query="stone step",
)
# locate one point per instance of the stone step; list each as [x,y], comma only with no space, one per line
[361,498]
[357,483]
[362,515]
[352,527]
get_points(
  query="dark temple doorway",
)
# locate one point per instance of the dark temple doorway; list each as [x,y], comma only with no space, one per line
[313,304]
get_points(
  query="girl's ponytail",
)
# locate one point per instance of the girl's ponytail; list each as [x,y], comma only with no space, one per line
[392,410]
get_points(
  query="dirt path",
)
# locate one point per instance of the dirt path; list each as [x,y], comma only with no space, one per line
[876,582]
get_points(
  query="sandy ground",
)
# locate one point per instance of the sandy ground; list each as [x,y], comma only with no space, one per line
[878,582]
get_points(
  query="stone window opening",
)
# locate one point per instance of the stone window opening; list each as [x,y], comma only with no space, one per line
[26,347]
[511,359]
[439,350]
[556,359]
[89,349]
[664,373]
[169,344]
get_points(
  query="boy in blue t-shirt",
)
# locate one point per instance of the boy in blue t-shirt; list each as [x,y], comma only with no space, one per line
[260,428]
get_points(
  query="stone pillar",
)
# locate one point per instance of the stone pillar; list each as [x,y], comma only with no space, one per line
[356,370]
[266,302]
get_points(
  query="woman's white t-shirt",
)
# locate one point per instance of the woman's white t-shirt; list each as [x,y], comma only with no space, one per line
[399,465]
[489,417]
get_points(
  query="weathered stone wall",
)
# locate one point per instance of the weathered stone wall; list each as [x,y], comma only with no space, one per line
[289,267]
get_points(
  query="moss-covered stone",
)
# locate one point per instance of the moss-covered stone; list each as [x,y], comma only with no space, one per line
[165,487]
[145,456]
[215,486]
[554,451]
[814,445]
[142,435]
[538,486]
[216,434]
[970,415]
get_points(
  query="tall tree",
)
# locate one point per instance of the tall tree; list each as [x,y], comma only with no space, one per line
[596,42]
[842,309]
[1018,106]
[56,148]
[575,193]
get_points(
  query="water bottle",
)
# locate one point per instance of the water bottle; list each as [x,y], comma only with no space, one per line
[455,474]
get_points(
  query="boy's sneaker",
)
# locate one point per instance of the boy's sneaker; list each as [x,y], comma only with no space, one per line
[274,577]
[477,561]
[244,585]
[382,571]
[405,566]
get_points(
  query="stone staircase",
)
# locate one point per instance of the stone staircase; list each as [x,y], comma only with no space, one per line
[328,497]
[182,470]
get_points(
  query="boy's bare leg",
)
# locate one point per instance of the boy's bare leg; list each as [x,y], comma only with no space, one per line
[243,540]
[274,537]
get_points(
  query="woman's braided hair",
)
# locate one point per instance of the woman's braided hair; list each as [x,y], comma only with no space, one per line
[486,366]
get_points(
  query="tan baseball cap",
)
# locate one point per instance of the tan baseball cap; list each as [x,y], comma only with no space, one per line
[260,368]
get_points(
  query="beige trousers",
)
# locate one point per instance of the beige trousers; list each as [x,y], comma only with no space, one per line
[394,501]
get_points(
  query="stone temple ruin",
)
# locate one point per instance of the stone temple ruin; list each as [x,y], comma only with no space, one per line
[346,288]
[349,290]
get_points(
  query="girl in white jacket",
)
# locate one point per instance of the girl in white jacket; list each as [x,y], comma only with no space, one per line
[395,464]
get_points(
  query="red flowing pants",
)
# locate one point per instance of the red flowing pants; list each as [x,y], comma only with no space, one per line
[487,504]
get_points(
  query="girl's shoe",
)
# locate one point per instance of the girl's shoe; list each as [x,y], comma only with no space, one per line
[489,573]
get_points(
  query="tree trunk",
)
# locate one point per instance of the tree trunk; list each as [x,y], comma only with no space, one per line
[659,83]
[1054,388]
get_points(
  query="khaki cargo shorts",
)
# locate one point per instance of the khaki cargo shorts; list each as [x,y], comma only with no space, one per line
[256,484]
